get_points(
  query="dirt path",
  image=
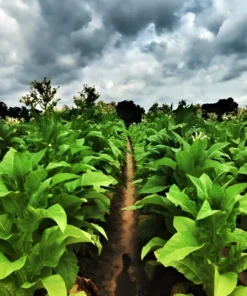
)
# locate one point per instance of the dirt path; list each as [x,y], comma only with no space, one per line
[118,270]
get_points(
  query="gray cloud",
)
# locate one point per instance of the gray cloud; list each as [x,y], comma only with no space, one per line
[198,6]
[130,17]
[155,48]
[59,41]
[232,38]
[235,69]
[143,50]
[199,54]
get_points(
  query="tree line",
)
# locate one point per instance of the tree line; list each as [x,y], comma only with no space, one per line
[126,110]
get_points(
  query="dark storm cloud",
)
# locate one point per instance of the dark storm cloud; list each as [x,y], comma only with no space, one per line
[57,74]
[64,17]
[157,49]
[62,29]
[71,41]
[232,42]
[233,39]
[130,17]
[199,54]
[205,15]
[234,71]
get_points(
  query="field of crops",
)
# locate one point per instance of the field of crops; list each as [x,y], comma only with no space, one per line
[58,176]
[55,180]
[191,178]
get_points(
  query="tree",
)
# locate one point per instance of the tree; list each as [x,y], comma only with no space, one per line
[155,109]
[41,95]
[222,107]
[129,112]
[3,110]
[87,98]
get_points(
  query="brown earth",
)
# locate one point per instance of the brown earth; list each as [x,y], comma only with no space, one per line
[119,270]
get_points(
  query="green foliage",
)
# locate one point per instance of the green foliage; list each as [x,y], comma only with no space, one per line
[55,176]
[191,186]
[42,96]
[87,98]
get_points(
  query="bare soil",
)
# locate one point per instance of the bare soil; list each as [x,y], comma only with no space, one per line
[119,270]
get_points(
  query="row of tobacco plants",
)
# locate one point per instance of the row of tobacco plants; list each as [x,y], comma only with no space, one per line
[191,193]
[56,173]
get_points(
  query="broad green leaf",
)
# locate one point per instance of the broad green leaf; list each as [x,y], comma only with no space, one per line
[177,248]
[33,181]
[97,134]
[9,287]
[76,235]
[53,245]
[70,203]
[234,190]
[154,184]
[80,142]
[154,243]
[243,205]
[82,167]
[3,189]
[18,140]
[215,148]
[61,164]
[7,267]
[238,265]
[93,195]
[193,268]
[116,152]
[53,284]
[155,199]
[68,268]
[205,211]
[7,164]
[224,284]
[38,199]
[61,177]
[97,179]
[231,193]
[203,185]
[185,161]
[165,161]
[239,291]
[220,167]
[34,216]
[181,244]
[217,194]
[99,229]
[181,199]
[243,169]
[22,166]
[5,226]
[36,157]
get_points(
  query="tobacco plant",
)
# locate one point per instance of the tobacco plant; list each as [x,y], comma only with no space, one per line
[189,178]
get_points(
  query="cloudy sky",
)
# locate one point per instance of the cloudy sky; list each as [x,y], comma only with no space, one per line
[142,50]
